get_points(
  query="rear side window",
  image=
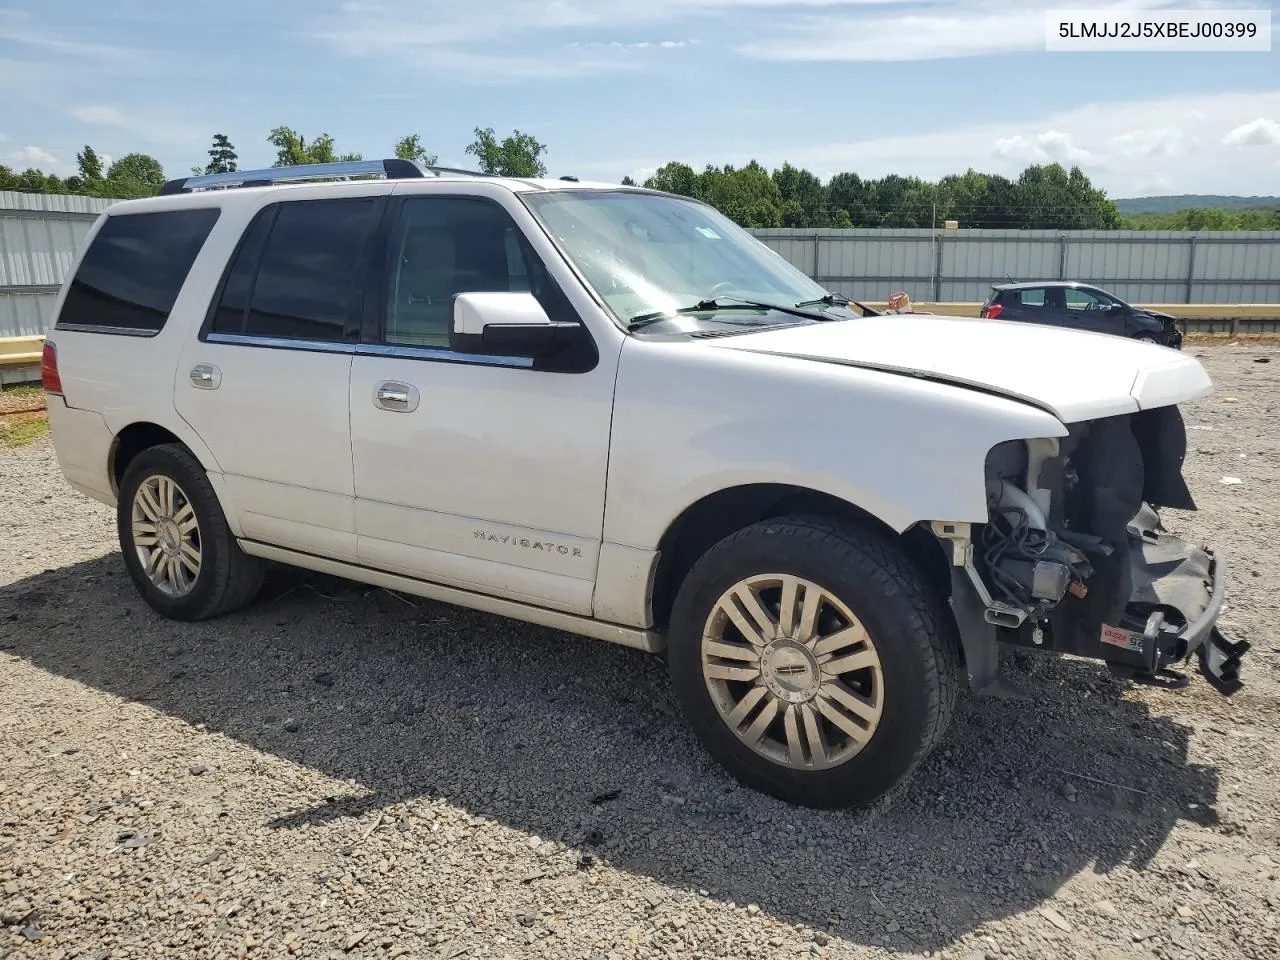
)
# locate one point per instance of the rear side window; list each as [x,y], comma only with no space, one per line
[132,272]
[299,273]
[1031,298]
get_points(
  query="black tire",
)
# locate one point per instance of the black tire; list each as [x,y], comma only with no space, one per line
[228,578]
[915,640]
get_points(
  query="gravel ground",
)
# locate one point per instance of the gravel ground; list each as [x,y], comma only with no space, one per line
[338,772]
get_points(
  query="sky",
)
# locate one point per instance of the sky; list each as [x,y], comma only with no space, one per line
[619,87]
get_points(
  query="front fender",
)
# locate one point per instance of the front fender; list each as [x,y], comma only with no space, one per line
[691,420]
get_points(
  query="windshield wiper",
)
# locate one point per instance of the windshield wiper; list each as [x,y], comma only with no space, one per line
[830,300]
[715,303]
[839,300]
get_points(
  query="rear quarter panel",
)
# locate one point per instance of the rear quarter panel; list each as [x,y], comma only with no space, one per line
[127,379]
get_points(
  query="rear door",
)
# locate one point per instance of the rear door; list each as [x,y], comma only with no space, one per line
[265,384]
[1027,304]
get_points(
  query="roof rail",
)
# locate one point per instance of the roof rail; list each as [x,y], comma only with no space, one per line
[392,169]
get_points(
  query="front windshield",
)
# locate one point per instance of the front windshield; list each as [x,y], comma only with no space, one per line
[649,253]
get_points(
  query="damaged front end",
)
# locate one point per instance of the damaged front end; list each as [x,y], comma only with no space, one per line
[1074,559]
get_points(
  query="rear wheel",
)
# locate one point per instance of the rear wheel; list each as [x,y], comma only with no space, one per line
[176,543]
[812,661]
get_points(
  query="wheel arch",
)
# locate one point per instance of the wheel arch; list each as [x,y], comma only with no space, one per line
[140,435]
[717,515]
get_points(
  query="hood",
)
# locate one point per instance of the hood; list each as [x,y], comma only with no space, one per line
[1070,373]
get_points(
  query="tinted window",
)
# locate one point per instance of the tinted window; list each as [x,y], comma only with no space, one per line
[1031,298]
[443,246]
[310,276]
[134,269]
[233,305]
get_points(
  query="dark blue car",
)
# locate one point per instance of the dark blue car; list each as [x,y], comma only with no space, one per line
[1062,303]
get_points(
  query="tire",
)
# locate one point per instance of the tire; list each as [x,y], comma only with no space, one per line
[1146,338]
[906,631]
[223,578]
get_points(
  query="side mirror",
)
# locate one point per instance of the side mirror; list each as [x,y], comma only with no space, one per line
[507,325]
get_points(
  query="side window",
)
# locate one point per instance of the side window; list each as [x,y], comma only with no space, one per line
[443,246]
[134,269]
[299,272]
[1031,298]
[1082,300]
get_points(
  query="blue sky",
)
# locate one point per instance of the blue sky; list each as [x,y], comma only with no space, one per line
[618,87]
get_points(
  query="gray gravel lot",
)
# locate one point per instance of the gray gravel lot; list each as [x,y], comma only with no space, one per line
[339,772]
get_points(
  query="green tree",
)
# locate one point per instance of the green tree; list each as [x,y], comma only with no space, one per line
[292,149]
[627,181]
[674,177]
[222,156]
[1051,198]
[747,196]
[134,175]
[411,148]
[90,165]
[847,194]
[519,155]
[804,198]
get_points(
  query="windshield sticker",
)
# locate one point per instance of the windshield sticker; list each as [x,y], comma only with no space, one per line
[708,233]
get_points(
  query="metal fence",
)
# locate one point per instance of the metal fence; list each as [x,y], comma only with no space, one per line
[39,235]
[1146,267]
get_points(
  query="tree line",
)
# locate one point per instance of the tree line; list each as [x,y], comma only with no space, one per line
[140,175]
[1042,197]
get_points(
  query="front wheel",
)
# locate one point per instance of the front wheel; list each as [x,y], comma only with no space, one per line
[177,545]
[812,661]
[1146,338]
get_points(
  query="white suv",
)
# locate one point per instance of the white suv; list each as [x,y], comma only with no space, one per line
[610,411]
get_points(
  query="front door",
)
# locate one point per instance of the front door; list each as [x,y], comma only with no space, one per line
[266,383]
[476,472]
[1090,310]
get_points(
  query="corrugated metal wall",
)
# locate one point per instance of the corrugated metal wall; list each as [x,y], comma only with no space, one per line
[39,236]
[960,265]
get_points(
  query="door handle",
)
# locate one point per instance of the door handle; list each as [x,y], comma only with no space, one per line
[397,397]
[206,376]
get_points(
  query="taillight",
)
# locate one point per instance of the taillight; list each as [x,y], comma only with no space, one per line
[49,378]
[993,311]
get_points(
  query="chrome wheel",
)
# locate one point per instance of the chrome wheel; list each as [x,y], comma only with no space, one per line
[792,671]
[166,535]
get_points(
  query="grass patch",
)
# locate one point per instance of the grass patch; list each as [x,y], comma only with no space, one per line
[21,429]
[22,389]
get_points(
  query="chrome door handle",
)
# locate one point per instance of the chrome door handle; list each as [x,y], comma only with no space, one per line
[395,396]
[206,376]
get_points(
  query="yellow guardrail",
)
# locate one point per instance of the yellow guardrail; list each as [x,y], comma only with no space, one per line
[20,351]
[24,351]
[1182,311]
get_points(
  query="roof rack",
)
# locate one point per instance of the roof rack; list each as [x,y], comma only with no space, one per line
[392,169]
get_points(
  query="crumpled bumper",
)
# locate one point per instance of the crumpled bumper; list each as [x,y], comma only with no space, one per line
[1178,593]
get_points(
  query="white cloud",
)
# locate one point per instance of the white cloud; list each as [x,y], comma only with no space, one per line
[921,30]
[1262,132]
[20,28]
[1008,146]
[32,156]
[1050,146]
[515,39]
[1166,141]
[105,116]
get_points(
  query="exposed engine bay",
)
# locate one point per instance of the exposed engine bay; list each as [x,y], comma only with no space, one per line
[1074,558]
